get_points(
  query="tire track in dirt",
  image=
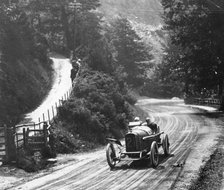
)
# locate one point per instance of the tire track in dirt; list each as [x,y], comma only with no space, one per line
[174,120]
[131,177]
[136,177]
[157,174]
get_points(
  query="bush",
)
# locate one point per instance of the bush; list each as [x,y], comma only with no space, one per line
[130,98]
[97,108]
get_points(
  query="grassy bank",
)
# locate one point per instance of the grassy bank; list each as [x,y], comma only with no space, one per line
[211,174]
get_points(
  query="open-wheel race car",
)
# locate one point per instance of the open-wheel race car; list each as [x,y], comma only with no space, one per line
[140,144]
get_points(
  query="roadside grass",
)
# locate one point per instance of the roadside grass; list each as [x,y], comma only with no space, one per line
[211,174]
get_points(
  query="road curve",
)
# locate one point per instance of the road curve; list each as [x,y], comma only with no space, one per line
[187,130]
[61,85]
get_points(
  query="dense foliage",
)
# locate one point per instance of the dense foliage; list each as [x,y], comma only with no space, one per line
[130,52]
[98,108]
[99,105]
[67,25]
[195,50]
[113,59]
[24,65]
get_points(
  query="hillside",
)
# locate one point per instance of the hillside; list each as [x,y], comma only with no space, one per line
[145,17]
[142,11]
[22,86]
[25,70]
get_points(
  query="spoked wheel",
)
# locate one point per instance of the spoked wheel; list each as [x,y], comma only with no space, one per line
[111,155]
[154,156]
[165,144]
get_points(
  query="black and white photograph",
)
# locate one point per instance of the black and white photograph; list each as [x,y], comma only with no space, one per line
[111,95]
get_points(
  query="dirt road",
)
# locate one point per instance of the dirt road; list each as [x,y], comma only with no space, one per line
[192,138]
[61,85]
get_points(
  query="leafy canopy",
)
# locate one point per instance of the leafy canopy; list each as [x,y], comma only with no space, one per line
[195,52]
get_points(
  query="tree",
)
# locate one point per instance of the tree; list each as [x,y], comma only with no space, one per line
[131,53]
[197,31]
[23,68]
[66,24]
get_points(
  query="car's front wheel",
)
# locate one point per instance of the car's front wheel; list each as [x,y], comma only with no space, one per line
[111,155]
[154,155]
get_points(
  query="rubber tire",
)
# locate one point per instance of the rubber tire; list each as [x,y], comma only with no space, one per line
[166,145]
[154,155]
[110,154]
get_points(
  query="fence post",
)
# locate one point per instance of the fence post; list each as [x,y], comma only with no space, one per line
[45,126]
[52,107]
[24,137]
[10,147]
[48,113]
[34,127]
[39,122]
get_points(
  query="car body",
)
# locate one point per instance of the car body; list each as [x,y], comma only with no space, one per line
[140,143]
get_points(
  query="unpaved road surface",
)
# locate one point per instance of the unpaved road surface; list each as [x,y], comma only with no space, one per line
[192,138]
[61,85]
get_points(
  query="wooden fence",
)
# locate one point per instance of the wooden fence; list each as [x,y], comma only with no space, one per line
[34,136]
[52,111]
[204,101]
[2,143]
[7,150]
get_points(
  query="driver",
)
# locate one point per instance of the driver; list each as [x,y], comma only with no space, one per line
[137,119]
[153,126]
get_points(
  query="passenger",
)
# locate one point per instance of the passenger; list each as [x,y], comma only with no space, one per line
[153,126]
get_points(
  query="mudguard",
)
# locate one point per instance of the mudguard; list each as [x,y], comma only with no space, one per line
[114,140]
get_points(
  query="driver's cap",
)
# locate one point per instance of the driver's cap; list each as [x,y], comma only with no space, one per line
[147,119]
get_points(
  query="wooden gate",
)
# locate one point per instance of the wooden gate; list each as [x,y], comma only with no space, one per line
[32,136]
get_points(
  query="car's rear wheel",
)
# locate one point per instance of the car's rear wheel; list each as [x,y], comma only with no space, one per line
[111,155]
[154,155]
[165,144]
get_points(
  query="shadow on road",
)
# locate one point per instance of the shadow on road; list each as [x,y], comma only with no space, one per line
[143,164]
[215,114]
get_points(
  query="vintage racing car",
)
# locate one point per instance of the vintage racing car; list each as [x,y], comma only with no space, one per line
[140,144]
